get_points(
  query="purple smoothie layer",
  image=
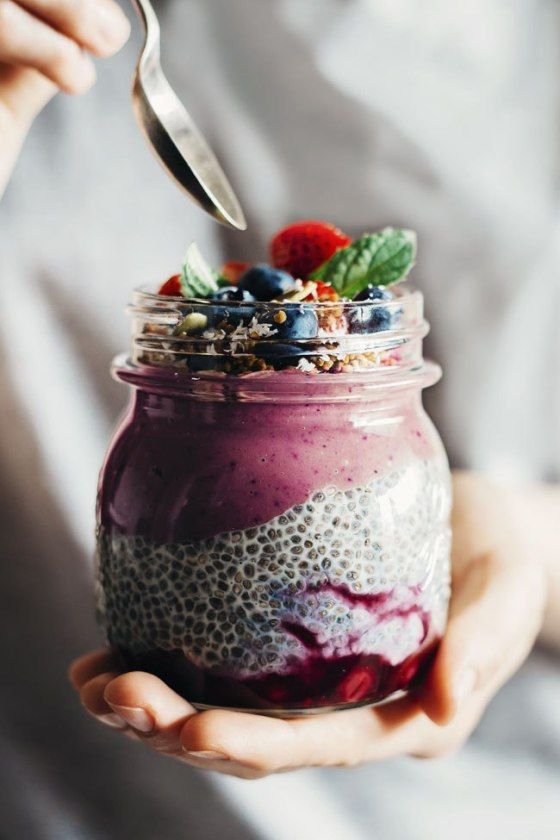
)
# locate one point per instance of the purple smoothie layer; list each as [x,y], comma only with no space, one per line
[182,469]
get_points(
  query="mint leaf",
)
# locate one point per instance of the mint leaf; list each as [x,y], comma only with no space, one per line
[375,259]
[197,278]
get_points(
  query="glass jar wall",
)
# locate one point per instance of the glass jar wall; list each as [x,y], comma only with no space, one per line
[275,539]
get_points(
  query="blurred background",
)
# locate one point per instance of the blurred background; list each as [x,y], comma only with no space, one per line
[442,117]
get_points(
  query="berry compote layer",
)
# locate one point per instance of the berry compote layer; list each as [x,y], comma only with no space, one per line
[275,553]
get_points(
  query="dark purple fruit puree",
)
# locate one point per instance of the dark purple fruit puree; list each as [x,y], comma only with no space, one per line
[317,682]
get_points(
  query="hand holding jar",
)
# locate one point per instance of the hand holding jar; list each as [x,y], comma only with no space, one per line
[500,585]
[273,523]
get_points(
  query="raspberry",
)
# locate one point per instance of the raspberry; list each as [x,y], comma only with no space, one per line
[171,287]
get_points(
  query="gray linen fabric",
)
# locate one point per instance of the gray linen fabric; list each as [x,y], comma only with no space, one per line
[440,116]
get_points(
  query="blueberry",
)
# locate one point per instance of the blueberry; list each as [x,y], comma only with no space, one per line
[280,355]
[301,322]
[200,363]
[274,350]
[227,293]
[265,282]
[234,315]
[240,315]
[374,293]
[370,319]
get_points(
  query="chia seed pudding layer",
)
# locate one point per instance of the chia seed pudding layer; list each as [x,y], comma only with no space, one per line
[335,600]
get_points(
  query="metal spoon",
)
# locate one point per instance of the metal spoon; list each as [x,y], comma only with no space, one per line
[174,137]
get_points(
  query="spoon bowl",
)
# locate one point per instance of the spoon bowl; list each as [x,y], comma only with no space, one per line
[171,132]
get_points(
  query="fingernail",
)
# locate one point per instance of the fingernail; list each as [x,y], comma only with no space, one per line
[208,755]
[464,685]
[114,25]
[114,721]
[138,718]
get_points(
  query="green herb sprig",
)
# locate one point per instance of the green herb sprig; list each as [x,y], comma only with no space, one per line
[375,259]
[197,278]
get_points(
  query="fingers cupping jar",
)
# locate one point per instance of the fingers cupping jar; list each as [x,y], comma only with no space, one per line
[273,511]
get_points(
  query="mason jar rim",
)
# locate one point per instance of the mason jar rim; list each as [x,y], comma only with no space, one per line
[163,342]
[382,384]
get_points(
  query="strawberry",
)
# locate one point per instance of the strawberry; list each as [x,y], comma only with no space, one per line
[302,247]
[321,291]
[326,292]
[232,271]
[171,287]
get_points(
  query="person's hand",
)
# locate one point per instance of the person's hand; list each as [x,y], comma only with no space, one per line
[45,46]
[499,588]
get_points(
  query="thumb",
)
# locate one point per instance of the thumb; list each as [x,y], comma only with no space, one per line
[24,92]
[496,613]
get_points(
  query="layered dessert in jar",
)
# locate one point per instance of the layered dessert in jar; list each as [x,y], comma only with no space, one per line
[273,512]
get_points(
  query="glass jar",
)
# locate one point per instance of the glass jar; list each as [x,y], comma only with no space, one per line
[273,519]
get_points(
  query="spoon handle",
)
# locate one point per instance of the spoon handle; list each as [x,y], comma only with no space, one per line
[150,23]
